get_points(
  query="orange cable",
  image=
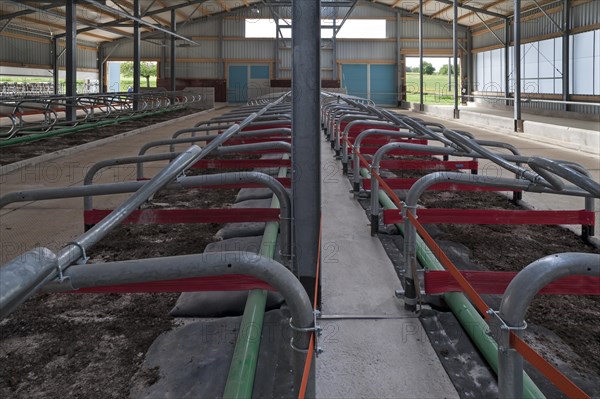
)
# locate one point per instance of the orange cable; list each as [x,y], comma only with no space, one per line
[311,344]
[445,261]
[552,373]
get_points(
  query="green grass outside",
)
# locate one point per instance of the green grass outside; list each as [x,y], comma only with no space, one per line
[29,79]
[435,89]
[127,82]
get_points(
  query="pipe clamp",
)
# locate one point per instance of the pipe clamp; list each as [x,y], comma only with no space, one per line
[84,258]
[316,329]
[499,329]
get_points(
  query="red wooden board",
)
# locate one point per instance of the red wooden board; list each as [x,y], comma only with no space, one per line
[427,165]
[241,163]
[176,216]
[406,184]
[232,282]
[493,216]
[438,282]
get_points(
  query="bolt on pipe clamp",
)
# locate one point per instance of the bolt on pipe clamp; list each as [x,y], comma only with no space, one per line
[498,326]
[316,329]
[405,208]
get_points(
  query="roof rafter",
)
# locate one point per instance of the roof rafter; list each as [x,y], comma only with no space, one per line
[177,11]
[61,27]
[523,10]
[128,5]
[224,6]
[415,9]
[82,21]
[487,7]
[28,11]
[450,7]
[126,16]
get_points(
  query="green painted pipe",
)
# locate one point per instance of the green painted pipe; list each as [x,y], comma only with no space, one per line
[80,128]
[240,380]
[465,312]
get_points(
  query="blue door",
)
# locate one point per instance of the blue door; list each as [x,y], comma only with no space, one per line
[354,79]
[237,90]
[383,84]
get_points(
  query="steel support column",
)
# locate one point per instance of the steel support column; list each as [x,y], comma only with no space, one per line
[399,64]
[136,52]
[450,68]
[306,158]
[507,61]
[421,106]
[101,70]
[455,55]
[222,72]
[173,76]
[517,67]
[566,49]
[334,50]
[55,65]
[277,44]
[470,80]
[71,58]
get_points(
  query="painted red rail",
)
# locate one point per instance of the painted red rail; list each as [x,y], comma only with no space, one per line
[439,282]
[241,163]
[493,216]
[232,282]
[176,216]
[406,184]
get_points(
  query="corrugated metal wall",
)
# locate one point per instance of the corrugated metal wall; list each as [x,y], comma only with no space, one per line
[203,61]
[585,14]
[535,24]
[39,51]
[19,51]
[372,50]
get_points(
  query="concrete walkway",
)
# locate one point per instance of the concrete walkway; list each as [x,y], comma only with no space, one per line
[575,134]
[364,358]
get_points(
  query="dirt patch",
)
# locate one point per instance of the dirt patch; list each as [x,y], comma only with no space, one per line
[19,152]
[511,248]
[75,346]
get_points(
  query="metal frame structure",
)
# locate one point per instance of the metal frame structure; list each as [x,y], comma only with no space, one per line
[27,119]
[544,175]
[41,269]
[488,16]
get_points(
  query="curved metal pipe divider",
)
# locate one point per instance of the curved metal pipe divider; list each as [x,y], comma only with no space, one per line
[352,117]
[204,265]
[447,153]
[263,132]
[421,185]
[579,179]
[194,130]
[172,142]
[344,138]
[515,302]
[95,107]
[76,250]
[226,118]
[357,143]
[88,191]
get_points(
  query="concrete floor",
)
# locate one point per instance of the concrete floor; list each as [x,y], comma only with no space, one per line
[364,358]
